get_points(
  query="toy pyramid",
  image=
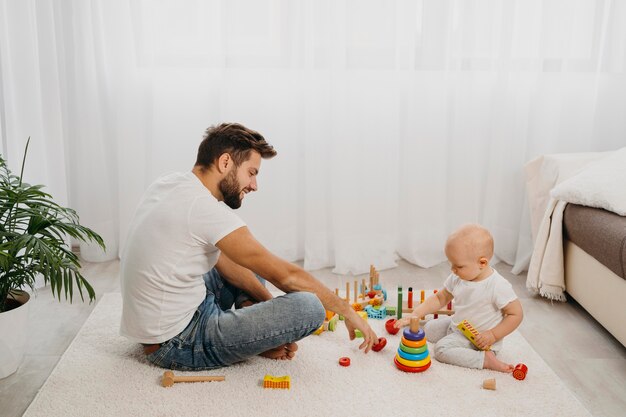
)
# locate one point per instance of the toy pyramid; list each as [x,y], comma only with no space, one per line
[413,355]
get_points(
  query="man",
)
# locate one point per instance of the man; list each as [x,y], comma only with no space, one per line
[183,228]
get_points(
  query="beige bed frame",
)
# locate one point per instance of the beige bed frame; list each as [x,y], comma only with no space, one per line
[598,289]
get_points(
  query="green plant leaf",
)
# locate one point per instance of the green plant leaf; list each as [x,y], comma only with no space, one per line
[34,230]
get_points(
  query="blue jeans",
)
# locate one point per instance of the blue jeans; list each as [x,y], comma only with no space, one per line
[218,336]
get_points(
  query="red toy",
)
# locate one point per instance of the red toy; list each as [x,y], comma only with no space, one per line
[520,371]
[382,342]
[389,326]
[345,361]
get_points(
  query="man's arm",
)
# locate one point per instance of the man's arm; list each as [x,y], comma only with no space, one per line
[242,278]
[242,248]
[432,304]
[512,318]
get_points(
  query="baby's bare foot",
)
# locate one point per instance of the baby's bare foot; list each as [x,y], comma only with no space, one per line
[286,351]
[491,362]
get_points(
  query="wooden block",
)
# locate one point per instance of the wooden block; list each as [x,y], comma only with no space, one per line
[490,384]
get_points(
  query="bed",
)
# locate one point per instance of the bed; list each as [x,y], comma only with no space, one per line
[580,250]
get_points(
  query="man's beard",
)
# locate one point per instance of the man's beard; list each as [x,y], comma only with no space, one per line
[229,187]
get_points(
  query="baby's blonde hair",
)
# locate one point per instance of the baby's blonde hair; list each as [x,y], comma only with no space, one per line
[473,239]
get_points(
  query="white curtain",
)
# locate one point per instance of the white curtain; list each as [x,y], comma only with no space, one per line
[394,121]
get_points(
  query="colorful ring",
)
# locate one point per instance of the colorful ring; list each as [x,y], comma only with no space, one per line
[409,335]
[413,351]
[345,361]
[413,364]
[413,344]
[412,357]
[408,369]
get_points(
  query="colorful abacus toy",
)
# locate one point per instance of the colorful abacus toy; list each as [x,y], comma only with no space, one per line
[413,355]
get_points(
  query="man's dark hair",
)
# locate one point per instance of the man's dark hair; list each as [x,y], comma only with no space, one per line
[236,140]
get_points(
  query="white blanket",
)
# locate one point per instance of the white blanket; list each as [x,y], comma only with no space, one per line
[600,184]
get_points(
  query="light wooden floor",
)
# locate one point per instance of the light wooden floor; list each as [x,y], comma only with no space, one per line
[587,358]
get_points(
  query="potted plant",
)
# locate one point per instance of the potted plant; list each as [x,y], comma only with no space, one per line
[34,234]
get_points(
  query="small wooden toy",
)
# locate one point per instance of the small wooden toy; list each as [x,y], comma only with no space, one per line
[270,381]
[470,332]
[413,355]
[520,371]
[344,361]
[410,301]
[170,379]
[382,342]
[389,326]
[490,384]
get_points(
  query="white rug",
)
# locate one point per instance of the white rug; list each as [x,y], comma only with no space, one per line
[102,374]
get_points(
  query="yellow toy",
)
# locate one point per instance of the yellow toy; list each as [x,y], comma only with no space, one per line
[270,381]
[470,332]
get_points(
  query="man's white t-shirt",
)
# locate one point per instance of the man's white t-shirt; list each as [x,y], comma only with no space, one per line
[481,302]
[170,245]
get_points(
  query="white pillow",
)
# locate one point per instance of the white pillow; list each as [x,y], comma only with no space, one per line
[601,184]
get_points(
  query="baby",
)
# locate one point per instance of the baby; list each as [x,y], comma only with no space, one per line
[482,297]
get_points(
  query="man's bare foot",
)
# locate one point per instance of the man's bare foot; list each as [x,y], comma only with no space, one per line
[246,303]
[286,351]
[491,362]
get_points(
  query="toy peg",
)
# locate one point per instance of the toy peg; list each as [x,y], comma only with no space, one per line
[490,384]
[363,288]
[410,297]
[399,312]
[435,315]
[337,292]
[170,379]
[415,324]
[422,294]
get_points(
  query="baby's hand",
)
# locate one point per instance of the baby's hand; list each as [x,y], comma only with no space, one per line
[405,321]
[485,340]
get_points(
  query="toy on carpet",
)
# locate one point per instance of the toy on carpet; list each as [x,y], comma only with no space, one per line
[170,379]
[344,361]
[520,371]
[281,382]
[380,345]
[413,355]
[389,325]
[490,384]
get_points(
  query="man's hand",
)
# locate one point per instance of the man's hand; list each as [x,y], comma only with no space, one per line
[370,337]
[485,339]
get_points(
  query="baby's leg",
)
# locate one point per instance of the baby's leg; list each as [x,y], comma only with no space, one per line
[437,329]
[492,362]
[456,349]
